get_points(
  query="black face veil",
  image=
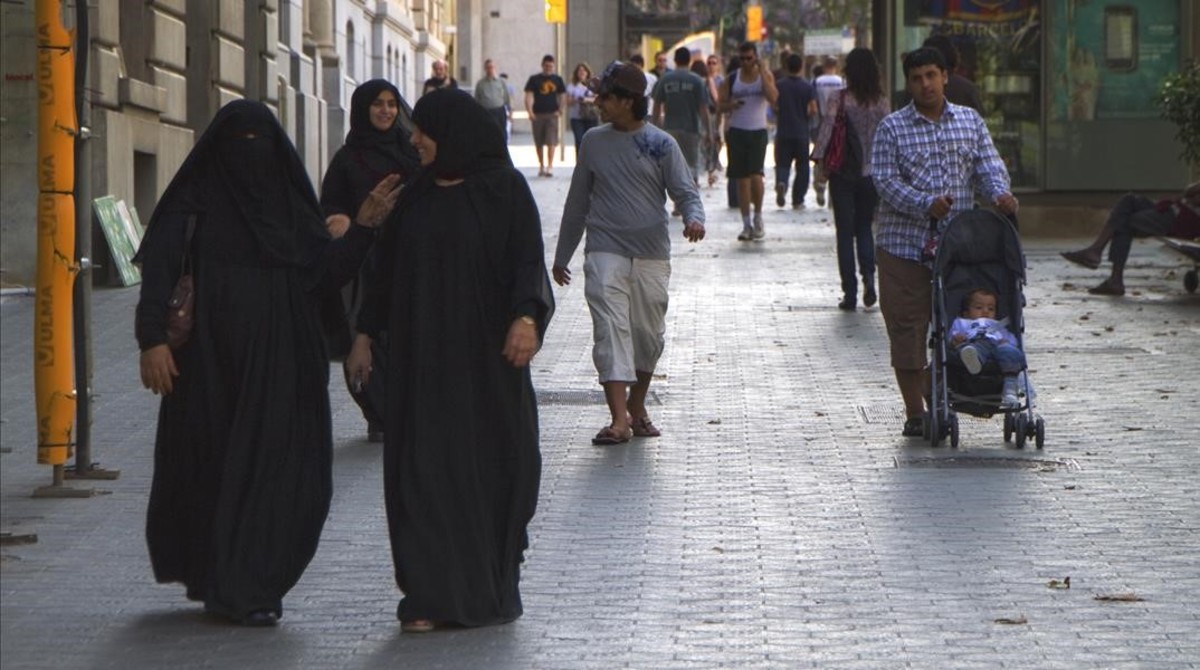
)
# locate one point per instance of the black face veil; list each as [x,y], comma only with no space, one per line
[244,171]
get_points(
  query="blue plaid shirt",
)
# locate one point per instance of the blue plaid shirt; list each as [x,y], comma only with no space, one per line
[914,161]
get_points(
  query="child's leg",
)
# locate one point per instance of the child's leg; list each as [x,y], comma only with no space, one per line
[1010,359]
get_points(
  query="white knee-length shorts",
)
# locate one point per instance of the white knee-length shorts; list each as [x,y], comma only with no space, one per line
[628,301]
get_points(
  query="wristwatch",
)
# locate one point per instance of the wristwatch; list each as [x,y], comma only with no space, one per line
[528,320]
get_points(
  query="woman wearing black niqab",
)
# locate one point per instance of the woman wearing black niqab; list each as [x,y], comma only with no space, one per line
[376,147]
[242,477]
[465,298]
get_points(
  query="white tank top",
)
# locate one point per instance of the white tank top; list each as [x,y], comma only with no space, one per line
[752,113]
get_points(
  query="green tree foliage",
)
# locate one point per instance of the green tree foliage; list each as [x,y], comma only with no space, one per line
[1179,101]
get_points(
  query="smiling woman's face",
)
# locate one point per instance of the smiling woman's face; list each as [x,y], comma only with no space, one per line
[425,146]
[384,109]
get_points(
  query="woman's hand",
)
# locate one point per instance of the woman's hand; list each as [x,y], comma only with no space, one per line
[379,202]
[158,369]
[522,342]
[337,225]
[358,363]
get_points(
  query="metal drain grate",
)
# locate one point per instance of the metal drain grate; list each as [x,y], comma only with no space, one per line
[984,460]
[882,414]
[592,397]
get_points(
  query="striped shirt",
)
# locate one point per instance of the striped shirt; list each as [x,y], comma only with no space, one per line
[914,161]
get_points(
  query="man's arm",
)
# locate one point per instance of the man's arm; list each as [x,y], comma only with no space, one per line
[770,90]
[529,104]
[991,176]
[885,172]
[570,231]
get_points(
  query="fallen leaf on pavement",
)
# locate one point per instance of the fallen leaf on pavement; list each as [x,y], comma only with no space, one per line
[1055,584]
[1013,621]
[1119,597]
[717,422]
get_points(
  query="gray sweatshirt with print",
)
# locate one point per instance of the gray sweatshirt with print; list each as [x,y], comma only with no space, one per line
[618,194]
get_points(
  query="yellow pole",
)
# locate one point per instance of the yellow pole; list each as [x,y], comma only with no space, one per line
[53,367]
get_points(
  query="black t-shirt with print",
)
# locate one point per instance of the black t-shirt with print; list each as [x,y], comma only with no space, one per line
[545,89]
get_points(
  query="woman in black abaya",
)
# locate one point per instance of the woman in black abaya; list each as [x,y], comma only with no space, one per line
[377,148]
[242,474]
[465,298]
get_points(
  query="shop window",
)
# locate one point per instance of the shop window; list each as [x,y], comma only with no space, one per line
[999,44]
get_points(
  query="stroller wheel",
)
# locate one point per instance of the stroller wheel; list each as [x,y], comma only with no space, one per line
[1022,430]
[953,431]
[1039,432]
[1008,427]
[1191,281]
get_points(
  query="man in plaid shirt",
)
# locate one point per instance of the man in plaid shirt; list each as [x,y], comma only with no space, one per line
[928,161]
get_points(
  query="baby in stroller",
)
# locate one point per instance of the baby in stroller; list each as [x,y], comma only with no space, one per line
[979,338]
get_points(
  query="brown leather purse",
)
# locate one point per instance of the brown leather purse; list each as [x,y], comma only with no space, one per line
[181,308]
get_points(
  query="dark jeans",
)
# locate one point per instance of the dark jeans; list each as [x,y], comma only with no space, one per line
[578,128]
[853,200]
[788,151]
[1134,216]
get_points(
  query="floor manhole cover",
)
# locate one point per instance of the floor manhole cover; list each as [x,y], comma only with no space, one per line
[889,414]
[998,460]
[594,397]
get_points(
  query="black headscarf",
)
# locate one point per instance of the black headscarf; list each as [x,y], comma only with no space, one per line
[469,140]
[381,151]
[244,171]
[471,147]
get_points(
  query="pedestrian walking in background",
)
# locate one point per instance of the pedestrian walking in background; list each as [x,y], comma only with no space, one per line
[492,94]
[626,169]
[681,108]
[545,97]
[651,82]
[376,148]
[927,162]
[464,297]
[441,78]
[710,142]
[748,92]
[826,84]
[851,190]
[1138,216]
[959,89]
[582,111]
[242,456]
[796,105]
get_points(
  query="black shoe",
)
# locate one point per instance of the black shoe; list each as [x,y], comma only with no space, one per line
[848,304]
[260,619]
[869,297]
[913,427]
[780,193]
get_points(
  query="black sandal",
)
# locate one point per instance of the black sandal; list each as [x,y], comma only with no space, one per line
[914,427]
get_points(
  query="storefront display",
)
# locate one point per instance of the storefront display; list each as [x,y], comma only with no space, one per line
[1000,49]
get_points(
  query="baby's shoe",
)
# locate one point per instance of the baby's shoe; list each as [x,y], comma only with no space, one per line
[970,358]
[1008,395]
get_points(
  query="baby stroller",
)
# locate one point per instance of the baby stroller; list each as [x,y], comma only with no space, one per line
[978,249]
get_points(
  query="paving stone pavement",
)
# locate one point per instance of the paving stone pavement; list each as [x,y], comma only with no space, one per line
[780,522]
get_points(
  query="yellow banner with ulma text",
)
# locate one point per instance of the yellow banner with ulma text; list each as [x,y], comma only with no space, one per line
[556,11]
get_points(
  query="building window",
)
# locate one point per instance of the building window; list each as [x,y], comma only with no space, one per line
[351,56]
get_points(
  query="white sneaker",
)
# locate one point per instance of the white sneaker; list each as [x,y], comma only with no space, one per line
[746,235]
[821,198]
[758,231]
[970,358]
[1010,401]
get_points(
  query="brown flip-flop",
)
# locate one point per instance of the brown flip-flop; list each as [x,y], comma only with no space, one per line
[609,436]
[643,427]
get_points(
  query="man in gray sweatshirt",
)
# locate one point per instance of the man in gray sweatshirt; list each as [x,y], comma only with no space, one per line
[626,168]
